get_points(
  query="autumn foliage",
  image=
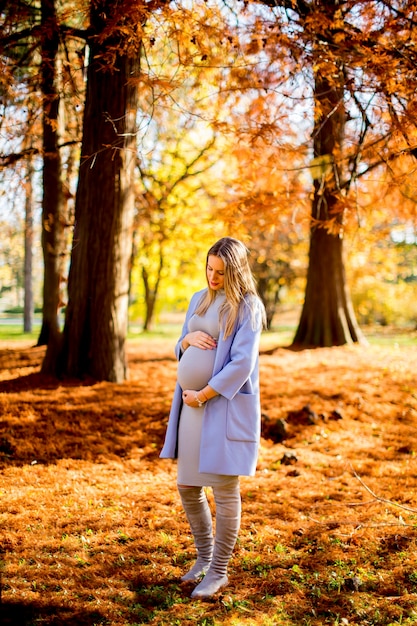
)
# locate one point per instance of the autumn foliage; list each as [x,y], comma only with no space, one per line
[92,526]
[280,120]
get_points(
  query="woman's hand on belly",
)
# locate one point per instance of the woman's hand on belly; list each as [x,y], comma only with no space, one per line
[196,398]
[189,397]
[199,339]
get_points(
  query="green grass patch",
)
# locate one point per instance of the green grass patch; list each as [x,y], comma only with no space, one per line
[14,331]
[395,338]
[279,336]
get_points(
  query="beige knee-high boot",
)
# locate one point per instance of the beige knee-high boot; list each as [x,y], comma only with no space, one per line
[228,513]
[197,510]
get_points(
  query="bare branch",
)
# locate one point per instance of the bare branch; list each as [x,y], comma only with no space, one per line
[380,498]
[6,160]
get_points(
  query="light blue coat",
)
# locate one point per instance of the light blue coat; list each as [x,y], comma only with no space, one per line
[232,420]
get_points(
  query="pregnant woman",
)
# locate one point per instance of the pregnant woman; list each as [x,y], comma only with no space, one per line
[214,423]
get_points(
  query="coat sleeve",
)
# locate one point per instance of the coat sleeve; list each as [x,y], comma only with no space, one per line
[242,358]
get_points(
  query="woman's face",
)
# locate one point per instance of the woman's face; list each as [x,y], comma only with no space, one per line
[215,272]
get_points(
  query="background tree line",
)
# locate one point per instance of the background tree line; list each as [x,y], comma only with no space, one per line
[153,128]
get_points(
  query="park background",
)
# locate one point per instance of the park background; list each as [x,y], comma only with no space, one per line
[133,135]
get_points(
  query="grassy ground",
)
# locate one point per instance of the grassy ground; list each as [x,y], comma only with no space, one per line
[91,526]
[280,335]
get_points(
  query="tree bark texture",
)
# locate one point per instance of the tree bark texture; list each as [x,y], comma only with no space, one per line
[98,285]
[52,223]
[28,263]
[327,317]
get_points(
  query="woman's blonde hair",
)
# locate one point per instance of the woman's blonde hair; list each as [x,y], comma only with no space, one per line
[239,285]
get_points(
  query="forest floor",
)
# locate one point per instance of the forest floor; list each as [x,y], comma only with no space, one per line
[91,526]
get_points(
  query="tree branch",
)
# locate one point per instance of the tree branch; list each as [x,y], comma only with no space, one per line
[6,160]
[380,498]
[9,159]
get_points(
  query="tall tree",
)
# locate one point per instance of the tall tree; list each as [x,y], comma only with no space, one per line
[344,47]
[98,286]
[52,202]
[29,240]
[19,123]
[327,316]
[33,47]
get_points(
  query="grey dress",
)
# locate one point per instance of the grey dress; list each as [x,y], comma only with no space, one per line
[195,369]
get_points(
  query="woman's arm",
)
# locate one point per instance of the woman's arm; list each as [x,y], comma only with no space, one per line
[195,398]
[244,354]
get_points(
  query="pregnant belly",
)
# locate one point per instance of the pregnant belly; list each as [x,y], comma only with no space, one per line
[195,368]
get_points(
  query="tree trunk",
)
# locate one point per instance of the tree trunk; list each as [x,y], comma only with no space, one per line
[327,318]
[52,223]
[151,294]
[28,263]
[98,284]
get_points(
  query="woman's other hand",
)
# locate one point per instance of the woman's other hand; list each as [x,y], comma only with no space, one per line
[199,339]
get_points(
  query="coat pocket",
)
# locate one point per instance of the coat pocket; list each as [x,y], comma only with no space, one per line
[243,418]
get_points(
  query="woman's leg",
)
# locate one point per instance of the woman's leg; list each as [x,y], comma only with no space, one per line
[228,513]
[197,510]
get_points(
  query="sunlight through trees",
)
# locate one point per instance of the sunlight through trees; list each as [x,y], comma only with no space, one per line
[165,125]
